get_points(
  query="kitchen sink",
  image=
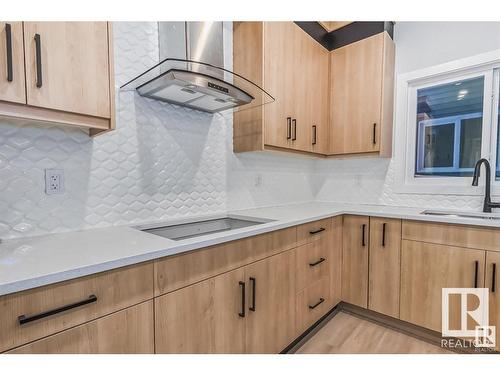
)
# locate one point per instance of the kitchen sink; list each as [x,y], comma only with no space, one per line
[463,214]
[202,227]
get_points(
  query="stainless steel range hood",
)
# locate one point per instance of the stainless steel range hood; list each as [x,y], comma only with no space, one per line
[190,71]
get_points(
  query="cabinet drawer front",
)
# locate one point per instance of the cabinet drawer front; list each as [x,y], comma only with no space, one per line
[313,263]
[126,332]
[175,272]
[313,231]
[452,234]
[312,303]
[113,290]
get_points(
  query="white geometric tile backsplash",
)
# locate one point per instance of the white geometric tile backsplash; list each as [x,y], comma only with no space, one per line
[165,162]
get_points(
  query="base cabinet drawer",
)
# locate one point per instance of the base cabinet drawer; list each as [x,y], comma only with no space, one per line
[312,303]
[125,332]
[40,312]
[313,231]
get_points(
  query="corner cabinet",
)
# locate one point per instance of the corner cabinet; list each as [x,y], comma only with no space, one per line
[58,72]
[290,65]
[361,98]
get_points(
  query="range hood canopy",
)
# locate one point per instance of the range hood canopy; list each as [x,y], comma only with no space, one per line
[193,83]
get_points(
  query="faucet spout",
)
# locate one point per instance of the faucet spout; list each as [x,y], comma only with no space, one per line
[475,180]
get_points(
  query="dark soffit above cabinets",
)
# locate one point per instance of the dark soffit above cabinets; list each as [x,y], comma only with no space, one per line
[345,35]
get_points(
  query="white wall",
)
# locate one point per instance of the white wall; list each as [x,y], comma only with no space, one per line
[165,162]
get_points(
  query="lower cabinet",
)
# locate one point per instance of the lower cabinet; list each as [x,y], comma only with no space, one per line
[124,332]
[491,277]
[425,270]
[385,269]
[203,318]
[248,310]
[355,260]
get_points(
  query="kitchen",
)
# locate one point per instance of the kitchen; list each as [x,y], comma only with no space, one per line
[190,187]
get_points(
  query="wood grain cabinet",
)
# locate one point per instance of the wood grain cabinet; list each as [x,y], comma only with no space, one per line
[247,310]
[362,86]
[62,72]
[12,81]
[492,283]
[384,266]
[128,331]
[356,240]
[425,270]
[290,65]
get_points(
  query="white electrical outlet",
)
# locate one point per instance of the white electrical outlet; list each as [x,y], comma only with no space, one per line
[54,181]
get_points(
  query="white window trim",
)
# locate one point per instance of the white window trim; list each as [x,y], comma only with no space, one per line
[405,134]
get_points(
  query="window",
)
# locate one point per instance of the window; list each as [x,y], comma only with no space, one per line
[447,117]
[449,128]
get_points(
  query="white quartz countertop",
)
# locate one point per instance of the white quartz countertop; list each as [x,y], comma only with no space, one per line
[35,261]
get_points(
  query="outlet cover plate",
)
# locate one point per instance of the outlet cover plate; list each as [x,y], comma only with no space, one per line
[54,181]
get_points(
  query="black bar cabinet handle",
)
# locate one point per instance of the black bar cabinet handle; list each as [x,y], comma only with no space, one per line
[254,284]
[317,231]
[294,122]
[476,269]
[314,134]
[374,133]
[288,128]
[493,278]
[8,45]
[23,319]
[321,260]
[383,234]
[38,58]
[242,312]
[363,242]
[321,300]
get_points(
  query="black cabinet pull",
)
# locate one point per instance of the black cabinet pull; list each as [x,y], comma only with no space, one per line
[476,270]
[8,45]
[314,135]
[38,58]
[254,285]
[23,319]
[375,133]
[242,312]
[294,122]
[321,300]
[288,128]
[363,228]
[383,234]
[321,260]
[493,278]
[317,231]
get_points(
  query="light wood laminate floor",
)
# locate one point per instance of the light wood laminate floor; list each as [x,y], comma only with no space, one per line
[346,333]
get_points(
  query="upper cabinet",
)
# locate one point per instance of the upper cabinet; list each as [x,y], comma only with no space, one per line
[327,103]
[62,73]
[12,82]
[293,68]
[362,86]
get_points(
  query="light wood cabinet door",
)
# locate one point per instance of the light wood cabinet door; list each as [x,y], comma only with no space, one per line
[492,275]
[271,319]
[425,270]
[12,80]
[279,66]
[128,331]
[384,273]
[356,240]
[202,318]
[356,96]
[71,70]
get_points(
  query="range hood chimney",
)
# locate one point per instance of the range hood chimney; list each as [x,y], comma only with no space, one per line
[191,73]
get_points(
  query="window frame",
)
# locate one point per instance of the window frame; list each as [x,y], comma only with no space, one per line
[405,180]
